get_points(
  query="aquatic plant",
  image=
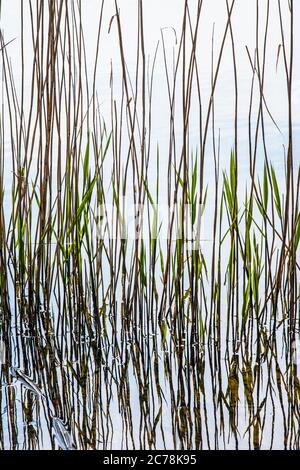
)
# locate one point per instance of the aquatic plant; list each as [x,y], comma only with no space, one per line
[183,341]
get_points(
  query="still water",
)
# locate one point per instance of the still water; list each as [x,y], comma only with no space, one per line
[123,372]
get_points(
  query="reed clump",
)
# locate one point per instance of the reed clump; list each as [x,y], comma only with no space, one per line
[144,341]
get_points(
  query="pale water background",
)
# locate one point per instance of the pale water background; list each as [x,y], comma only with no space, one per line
[167,14]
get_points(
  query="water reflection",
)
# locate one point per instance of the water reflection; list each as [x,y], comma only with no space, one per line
[125,388]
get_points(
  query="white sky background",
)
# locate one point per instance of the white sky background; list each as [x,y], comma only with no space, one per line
[166,14]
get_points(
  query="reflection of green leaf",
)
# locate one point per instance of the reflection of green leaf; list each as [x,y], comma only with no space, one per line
[164,332]
[186,294]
